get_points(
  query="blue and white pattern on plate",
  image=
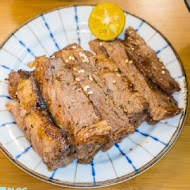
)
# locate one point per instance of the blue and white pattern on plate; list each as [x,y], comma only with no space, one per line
[50,32]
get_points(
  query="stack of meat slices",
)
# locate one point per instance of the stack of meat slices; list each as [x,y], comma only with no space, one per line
[76,102]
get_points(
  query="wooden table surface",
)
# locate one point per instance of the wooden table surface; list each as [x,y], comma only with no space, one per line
[172,18]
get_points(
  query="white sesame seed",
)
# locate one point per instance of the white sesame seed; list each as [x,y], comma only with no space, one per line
[71,58]
[100,43]
[82,54]
[77,79]
[130,61]
[85,58]
[66,61]
[126,60]
[114,81]
[86,87]
[125,110]
[81,71]
[163,72]
[90,78]
[84,61]
[90,92]
[74,87]
[75,69]
[118,75]
[163,67]
[74,47]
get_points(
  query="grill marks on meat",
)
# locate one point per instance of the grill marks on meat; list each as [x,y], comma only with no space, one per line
[70,107]
[161,105]
[48,141]
[97,92]
[146,60]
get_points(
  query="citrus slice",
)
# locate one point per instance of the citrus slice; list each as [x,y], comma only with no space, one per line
[106,21]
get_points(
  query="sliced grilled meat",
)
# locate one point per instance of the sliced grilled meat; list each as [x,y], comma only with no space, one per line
[32,117]
[161,105]
[96,90]
[70,108]
[121,90]
[146,60]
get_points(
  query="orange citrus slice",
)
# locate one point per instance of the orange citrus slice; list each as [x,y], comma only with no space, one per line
[106,21]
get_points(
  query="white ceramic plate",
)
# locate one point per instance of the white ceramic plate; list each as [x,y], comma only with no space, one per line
[50,32]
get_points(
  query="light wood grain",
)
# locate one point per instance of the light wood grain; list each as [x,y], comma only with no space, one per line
[169,16]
